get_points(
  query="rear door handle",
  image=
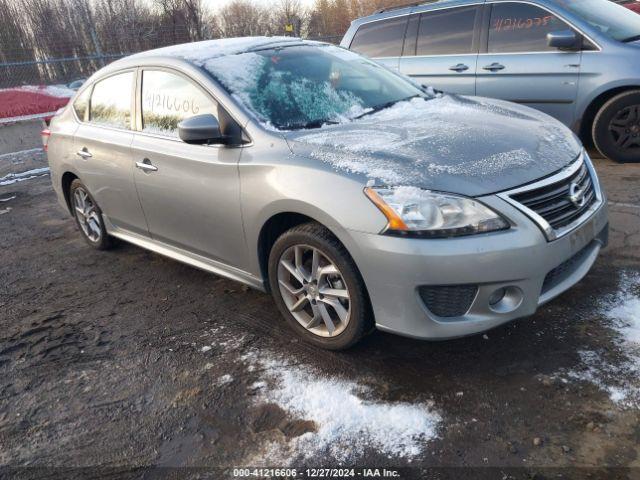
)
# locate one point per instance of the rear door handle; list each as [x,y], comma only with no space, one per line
[461,67]
[494,67]
[146,166]
[84,153]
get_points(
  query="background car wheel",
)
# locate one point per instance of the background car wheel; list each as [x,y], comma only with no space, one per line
[616,128]
[88,216]
[318,288]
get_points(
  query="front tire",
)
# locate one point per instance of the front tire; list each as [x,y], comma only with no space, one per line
[318,289]
[88,216]
[616,128]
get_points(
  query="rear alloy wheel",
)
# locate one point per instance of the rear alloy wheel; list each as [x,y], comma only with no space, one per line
[88,216]
[616,128]
[318,288]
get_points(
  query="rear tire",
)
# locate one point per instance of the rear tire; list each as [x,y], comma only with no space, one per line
[616,128]
[88,217]
[329,307]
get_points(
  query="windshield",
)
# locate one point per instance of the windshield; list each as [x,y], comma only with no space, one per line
[306,86]
[613,20]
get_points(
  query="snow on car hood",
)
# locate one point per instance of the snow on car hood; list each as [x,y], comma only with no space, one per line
[466,145]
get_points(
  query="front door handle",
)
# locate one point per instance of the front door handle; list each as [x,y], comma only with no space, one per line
[84,153]
[461,67]
[146,166]
[494,67]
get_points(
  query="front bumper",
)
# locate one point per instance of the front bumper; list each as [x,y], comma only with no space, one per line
[520,260]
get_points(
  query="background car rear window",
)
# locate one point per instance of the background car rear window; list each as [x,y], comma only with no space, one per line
[518,27]
[167,99]
[383,38]
[447,32]
[111,101]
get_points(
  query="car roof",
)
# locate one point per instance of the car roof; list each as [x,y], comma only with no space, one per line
[200,52]
[413,7]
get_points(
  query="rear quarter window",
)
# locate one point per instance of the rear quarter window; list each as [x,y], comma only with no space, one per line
[383,38]
[81,105]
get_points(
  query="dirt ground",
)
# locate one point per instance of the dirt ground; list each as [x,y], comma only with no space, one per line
[117,361]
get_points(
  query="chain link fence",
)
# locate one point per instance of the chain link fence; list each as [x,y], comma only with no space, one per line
[64,70]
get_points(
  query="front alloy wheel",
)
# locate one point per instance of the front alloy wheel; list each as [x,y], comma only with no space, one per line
[318,288]
[314,291]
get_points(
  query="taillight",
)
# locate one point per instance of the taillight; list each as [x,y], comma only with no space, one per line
[46,133]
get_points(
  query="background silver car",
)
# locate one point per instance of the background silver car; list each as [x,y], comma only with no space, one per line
[577,60]
[355,197]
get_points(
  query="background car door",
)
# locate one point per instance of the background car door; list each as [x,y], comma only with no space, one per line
[519,66]
[103,148]
[441,49]
[189,193]
[381,40]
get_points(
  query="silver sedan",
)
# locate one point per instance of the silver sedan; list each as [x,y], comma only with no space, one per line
[357,198]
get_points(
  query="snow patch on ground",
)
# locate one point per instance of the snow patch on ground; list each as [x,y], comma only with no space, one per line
[59,91]
[348,422]
[225,379]
[21,177]
[620,380]
[21,153]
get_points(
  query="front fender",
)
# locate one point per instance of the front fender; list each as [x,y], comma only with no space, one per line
[307,187]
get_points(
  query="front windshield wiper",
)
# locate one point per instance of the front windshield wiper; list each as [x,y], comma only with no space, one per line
[631,39]
[387,105]
[312,124]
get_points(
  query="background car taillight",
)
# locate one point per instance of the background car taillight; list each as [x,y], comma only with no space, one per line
[45,134]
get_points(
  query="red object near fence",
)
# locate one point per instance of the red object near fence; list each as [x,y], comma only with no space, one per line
[634,6]
[27,101]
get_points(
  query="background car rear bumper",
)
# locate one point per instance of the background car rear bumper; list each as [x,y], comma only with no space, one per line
[472,269]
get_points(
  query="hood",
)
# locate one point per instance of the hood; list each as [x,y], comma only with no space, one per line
[466,145]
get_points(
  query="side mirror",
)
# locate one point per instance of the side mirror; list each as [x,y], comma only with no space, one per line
[201,129]
[563,40]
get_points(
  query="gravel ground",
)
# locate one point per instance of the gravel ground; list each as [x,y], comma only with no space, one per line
[121,360]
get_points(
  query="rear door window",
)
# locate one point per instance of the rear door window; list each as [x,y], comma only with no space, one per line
[111,101]
[447,32]
[520,27]
[169,98]
[383,38]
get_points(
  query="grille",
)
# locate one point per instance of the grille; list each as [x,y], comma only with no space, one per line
[552,202]
[562,271]
[448,301]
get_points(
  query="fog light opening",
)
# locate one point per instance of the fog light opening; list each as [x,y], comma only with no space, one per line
[497,296]
[506,299]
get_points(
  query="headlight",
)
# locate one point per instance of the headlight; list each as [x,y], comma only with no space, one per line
[415,212]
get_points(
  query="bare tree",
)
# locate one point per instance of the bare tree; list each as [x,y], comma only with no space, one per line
[242,18]
[289,12]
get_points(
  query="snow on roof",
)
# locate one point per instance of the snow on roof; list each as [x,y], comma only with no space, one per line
[200,52]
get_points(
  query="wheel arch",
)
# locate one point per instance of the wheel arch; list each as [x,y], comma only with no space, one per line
[271,230]
[586,122]
[65,183]
[280,222]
